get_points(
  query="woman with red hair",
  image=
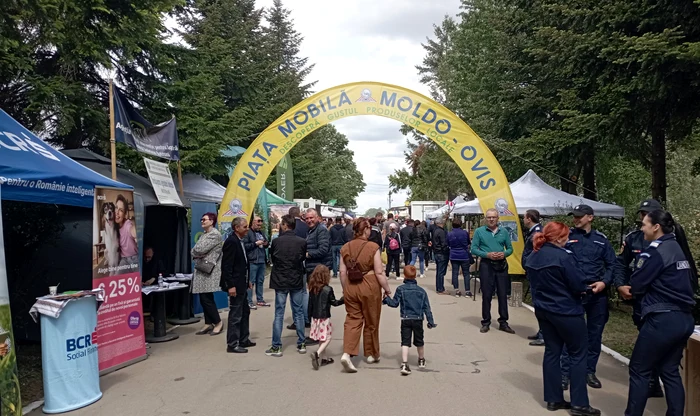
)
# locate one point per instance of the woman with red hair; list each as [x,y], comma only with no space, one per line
[557,287]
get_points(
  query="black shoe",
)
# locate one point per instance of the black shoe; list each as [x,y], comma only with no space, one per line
[484,329]
[292,327]
[308,341]
[506,328]
[564,383]
[593,382]
[537,343]
[655,389]
[554,406]
[248,344]
[584,411]
[236,350]
[534,337]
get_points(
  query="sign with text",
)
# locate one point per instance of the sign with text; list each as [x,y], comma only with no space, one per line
[162,181]
[115,268]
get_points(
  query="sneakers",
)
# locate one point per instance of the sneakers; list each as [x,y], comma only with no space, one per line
[422,276]
[399,278]
[372,360]
[263,304]
[405,369]
[252,306]
[469,295]
[421,363]
[274,351]
[347,364]
[392,275]
[458,294]
[301,348]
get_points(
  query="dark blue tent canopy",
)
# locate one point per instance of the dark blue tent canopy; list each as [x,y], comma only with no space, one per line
[33,171]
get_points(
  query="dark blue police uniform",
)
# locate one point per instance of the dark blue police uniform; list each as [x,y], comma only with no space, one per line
[632,247]
[537,228]
[663,280]
[559,285]
[596,259]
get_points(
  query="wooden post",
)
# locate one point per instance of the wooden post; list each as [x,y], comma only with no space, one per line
[112,133]
[516,295]
[179,178]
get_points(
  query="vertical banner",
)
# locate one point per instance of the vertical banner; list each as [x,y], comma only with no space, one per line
[140,218]
[198,210]
[285,178]
[115,268]
[10,399]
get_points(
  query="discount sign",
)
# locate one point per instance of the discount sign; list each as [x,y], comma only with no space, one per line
[119,287]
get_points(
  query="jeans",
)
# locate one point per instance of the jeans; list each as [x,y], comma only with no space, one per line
[660,344]
[305,301]
[441,266]
[491,281]
[417,254]
[597,315]
[560,330]
[257,279]
[238,332]
[335,250]
[211,312]
[464,265]
[295,298]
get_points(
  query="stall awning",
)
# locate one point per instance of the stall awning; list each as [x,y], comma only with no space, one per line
[33,171]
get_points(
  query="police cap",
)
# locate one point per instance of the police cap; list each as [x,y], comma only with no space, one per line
[649,205]
[581,210]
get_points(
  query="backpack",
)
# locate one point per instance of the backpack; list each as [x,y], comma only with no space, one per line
[354,273]
[393,244]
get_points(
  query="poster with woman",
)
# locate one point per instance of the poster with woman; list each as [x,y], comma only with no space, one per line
[10,399]
[115,268]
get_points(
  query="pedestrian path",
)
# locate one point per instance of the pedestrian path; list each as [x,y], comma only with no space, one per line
[468,373]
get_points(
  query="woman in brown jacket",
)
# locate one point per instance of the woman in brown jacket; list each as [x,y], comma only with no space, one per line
[363,299]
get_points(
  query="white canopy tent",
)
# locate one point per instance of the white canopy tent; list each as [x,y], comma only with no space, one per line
[445,208]
[531,192]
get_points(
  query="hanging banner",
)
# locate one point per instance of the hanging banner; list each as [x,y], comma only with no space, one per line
[285,178]
[447,130]
[115,268]
[132,129]
[162,181]
[140,220]
[10,399]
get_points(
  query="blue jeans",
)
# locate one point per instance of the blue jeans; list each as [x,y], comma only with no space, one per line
[464,265]
[597,315]
[335,250]
[441,266]
[257,279]
[305,302]
[295,298]
[418,254]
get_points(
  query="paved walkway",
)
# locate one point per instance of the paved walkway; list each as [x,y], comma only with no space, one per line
[468,373]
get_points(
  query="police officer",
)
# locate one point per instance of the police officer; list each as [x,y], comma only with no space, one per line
[665,279]
[596,259]
[531,221]
[559,285]
[632,247]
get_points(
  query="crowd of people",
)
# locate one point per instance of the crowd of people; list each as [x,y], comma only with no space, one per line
[571,271]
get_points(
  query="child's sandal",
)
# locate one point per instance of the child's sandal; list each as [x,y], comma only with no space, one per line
[327,361]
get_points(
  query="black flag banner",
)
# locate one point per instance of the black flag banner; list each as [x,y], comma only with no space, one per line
[158,140]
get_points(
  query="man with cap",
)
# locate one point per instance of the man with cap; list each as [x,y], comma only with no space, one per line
[633,245]
[596,259]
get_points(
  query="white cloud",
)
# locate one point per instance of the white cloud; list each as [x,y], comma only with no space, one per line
[369,40]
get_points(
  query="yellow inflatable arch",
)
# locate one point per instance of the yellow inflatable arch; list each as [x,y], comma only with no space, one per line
[451,133]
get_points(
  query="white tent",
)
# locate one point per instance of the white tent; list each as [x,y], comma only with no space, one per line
[531,192]
[445,208]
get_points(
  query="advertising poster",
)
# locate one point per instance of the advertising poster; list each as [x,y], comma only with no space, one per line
[276,213]
[10,399]
[115,268]
[162,181]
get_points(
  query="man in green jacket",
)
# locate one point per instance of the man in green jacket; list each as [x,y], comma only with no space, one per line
[492,244]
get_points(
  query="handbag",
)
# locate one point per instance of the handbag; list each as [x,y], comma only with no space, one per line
[206,266]
[354,273]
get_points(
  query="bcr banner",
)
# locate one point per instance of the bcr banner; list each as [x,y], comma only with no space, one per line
[115,268]
[10,399]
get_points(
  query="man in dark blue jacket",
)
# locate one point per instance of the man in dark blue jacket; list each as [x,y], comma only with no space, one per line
[301,229]
[596,259]
[338,239]
[531,221]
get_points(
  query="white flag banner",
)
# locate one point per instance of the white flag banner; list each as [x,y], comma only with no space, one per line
[162,181]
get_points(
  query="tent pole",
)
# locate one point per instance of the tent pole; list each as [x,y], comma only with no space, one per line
[179,179]
[112,133]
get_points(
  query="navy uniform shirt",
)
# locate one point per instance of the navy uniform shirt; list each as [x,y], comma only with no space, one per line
[632,247]
[556,279]
[594,255]
[663,276]
[537,228]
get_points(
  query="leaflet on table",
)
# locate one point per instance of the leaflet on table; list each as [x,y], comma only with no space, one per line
[115,264]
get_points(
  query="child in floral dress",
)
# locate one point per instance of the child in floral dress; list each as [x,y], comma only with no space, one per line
[321,297]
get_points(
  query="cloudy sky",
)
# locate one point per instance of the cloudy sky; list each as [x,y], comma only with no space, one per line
[369,40]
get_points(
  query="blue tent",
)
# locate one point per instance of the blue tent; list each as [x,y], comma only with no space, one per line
[33,171]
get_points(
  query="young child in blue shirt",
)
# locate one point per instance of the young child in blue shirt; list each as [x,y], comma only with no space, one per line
[414,303]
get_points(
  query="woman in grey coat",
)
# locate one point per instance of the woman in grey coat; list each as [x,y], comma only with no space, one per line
[208,249]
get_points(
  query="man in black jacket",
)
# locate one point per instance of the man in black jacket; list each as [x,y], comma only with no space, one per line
[235,281]
[338,239]
[301,229]
[287,252]
[405,235]
[442,254]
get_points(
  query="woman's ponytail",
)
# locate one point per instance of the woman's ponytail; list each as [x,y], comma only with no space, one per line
[538,241]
